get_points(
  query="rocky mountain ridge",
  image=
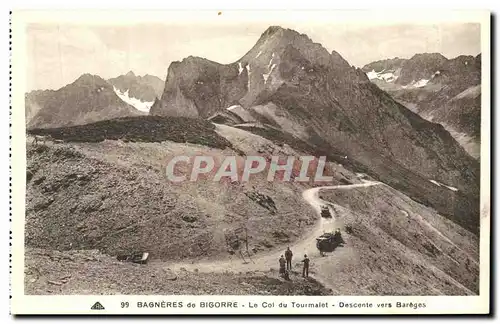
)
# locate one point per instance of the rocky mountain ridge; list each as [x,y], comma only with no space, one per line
[89,98]
[288,81]
[448,93]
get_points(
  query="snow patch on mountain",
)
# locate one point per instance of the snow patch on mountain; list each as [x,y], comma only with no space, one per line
[435,182]
[266,76]
[260,52]
[248,69]
[416,84]
[443,185]
[421,83]
[134,102]
[241,112]
[451,188]
[388,76]
[240,68]
[372,75]
[270,62]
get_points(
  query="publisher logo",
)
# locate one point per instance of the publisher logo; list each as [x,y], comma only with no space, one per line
[97,306]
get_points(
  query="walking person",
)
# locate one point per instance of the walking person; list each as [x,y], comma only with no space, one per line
[288,257]
[282,265]
[305,269]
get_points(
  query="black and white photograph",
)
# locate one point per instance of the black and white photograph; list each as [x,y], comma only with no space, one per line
[270,157]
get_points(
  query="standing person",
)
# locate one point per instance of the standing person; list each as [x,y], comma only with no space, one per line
[305,270]
[337,237]
[288,257]
[282,265]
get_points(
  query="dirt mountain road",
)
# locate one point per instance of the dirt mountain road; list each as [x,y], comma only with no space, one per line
[264,262]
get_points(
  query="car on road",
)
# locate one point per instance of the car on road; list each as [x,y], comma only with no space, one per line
[325,212]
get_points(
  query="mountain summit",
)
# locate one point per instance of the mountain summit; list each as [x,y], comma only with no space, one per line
[295,85]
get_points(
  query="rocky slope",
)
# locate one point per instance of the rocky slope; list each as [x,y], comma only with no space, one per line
[36,100]
[410,245]
[443,91]
[139,91]
[421,66]
[293,84]
[89,272]
[113,195]
[90,98]
[108,192]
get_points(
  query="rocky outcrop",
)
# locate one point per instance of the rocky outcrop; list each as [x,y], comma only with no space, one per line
[198,87]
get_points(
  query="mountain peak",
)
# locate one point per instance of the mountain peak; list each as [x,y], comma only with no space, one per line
[130,74]
[272,30]
[423,56]
[276,40]
[89,78]
[284,33]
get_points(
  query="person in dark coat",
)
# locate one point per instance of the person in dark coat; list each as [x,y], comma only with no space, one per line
[288,257]
[305,270]
[338,237]
[282,265]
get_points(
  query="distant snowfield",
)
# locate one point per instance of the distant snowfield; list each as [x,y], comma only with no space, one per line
[443,185]
[137,103]
[389,77]
[421,83]
[416,84]
[382,75]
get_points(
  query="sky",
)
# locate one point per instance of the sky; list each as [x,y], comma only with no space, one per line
[59,54]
